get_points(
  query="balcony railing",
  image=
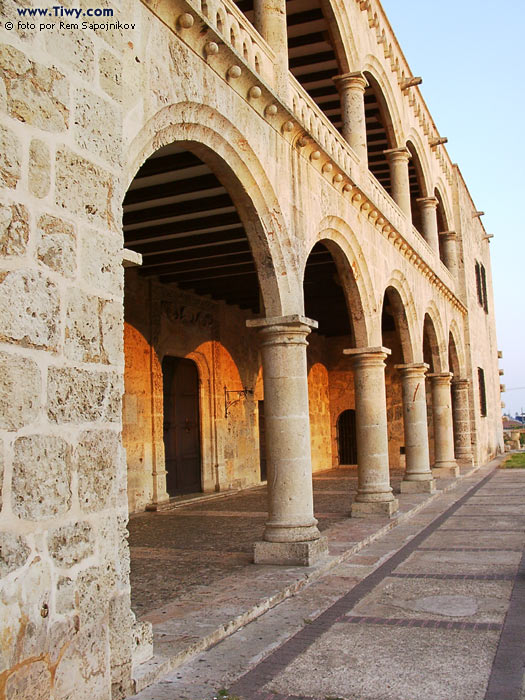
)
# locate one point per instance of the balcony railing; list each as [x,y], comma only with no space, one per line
[240,34]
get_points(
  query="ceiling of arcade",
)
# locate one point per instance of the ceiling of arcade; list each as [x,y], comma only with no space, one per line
[183,222]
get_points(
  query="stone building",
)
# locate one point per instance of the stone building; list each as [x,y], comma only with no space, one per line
[232,244]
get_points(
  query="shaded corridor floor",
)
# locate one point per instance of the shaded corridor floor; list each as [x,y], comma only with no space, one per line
[176,551]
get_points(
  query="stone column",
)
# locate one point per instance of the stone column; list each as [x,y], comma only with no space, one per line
[450,251]
[291,536]
[398,161]
[444,462]
[418,476]
[461,420]
[270,22]
[351,88]
[428,209]
[374,493]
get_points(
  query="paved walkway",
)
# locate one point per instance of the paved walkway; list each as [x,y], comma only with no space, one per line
[418,613]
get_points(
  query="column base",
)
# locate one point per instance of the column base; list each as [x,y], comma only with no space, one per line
[428,486]
[290,553]
[361,509]
[450,471]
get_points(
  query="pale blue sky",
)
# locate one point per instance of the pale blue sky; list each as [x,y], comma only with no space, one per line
[470,54]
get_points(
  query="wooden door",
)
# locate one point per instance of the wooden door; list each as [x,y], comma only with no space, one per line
[347,438]
[181,426]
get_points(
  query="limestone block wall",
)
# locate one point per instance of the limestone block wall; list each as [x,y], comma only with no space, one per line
[67,628]
[481,344]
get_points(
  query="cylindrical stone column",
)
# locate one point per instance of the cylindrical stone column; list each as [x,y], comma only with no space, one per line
[374,493]
[291,535]
[398,161]
[270,22]
[461,420]
[444,462]
[351,88]
[418,476]
[450,251]
[428,209]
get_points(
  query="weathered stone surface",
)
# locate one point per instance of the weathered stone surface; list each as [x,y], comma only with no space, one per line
[70,544]
[36,94]
[29,309]
[97,457]
[110,75]
[57,246]
[93,592]
[80,396]
[14,229]
[86,659]
[85,188]
[83,333]
[73,50]
[39,168]
[10,158]
[32,680]
[65,595]
[19,391]
[41,484]
[98,126]
[102,267]
[112,326]
[13,552]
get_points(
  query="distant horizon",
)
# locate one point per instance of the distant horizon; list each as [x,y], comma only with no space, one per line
[469,55]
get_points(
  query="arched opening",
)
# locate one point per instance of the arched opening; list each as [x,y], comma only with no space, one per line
[431,357]
[379,132]
[347,438]
[395,336]
[442,222]
[417,186]
[332,299]
[192,408]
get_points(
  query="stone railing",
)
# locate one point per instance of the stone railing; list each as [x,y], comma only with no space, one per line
[384,202]
[240,34]
[317,124]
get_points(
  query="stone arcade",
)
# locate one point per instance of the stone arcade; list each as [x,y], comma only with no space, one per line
[307,284]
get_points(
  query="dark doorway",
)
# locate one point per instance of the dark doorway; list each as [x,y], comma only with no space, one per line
[347,438]
[262,442]
[181,426]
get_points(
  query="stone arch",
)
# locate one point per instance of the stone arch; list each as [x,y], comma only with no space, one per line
[405,316]
[372,67]
[211,137]
[415,146]
[441,196]
[456,351]
[435,335]
[342,35]
[348,256]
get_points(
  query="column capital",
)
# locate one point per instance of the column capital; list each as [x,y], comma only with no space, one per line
[428,202]
[441,377]
[393,154]
[448,235]
[294,321]
[375,351]
[461,383]
[415,368]
[351,81]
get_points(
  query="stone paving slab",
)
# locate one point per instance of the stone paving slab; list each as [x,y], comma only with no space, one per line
[180,634]
[463,562]
[434,599]
[375,662]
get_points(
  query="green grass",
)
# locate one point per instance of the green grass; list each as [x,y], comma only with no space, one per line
[516,461]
